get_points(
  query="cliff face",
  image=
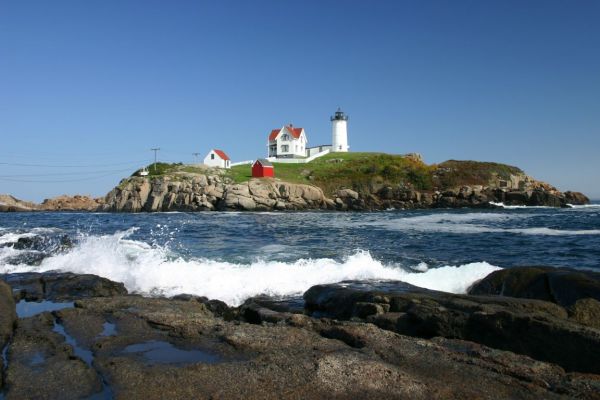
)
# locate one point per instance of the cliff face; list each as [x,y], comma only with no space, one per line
[212,192]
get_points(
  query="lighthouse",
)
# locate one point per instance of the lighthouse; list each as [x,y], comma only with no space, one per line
[339,132]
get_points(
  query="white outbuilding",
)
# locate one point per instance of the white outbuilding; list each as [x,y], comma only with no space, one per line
[217,158]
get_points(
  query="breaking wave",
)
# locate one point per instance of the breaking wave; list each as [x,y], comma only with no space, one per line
[154,270]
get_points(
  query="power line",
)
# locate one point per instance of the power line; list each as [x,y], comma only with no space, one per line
[57,181]
[71,166]
[66,173]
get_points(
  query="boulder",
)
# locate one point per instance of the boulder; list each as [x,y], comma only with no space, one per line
[539,329]
[576,198]
[563,286]
[61,286]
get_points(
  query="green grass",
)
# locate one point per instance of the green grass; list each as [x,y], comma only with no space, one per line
[364,172]
[454,173]
[358,171]
[159,169]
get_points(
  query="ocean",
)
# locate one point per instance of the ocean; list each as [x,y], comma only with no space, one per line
[232,256]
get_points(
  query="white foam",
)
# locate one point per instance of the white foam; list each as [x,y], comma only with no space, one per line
[515,207]
[471,223]
[583,206]
[14,237]
[154,271]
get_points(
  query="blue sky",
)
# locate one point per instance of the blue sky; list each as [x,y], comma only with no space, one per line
[87,88]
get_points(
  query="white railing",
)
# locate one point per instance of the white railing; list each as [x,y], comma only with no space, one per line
[298,160]
[233,164]
[321,154]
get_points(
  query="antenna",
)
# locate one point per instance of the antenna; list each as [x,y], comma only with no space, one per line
[196,157]
[155,150]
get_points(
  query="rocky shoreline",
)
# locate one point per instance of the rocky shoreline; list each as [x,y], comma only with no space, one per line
[213,193]
[346,340]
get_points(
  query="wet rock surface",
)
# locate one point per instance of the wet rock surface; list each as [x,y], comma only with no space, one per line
[539,329]
[33,286]
[42,366]
[189,347]
[562,286]
[8,319]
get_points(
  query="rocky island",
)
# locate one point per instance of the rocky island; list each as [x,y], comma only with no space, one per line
[338,181]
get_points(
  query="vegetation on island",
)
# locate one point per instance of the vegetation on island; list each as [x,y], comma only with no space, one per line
[359,171]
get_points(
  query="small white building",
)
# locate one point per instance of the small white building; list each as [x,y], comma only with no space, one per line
[287,142]
[217,158]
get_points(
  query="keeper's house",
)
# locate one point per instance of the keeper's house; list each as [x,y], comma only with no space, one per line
[217,158]
[287,142]
[262,169]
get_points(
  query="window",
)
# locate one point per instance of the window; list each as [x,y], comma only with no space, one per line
[296,148]
[285,137]
[285,148]
[212,156]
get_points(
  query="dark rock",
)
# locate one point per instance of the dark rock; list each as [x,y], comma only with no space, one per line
[535,328]
[311,360]
[562,286]
[217,307]
[29,243]
[586,312]
[516,198]
[207,357]
[8,317]
[576,198]
[61,286]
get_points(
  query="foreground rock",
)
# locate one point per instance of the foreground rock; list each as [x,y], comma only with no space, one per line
[42,366]
[576,290]
[61,286]
[535,328]
[8,318]
[130,347]
[178,349]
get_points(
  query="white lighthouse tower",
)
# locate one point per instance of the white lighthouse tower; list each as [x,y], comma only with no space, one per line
[339,132]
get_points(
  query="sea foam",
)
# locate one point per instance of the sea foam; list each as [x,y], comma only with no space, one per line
[153,270]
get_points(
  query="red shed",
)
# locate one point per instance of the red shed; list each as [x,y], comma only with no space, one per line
[262,169]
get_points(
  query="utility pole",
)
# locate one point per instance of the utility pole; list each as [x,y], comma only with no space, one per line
[155,150]
[196,157]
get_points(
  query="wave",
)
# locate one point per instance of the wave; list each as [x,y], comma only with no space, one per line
[472,223]
[576,206]
[152,271]
[502,205]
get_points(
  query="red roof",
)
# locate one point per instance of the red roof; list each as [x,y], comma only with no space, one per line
[296,132]
[221,154]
